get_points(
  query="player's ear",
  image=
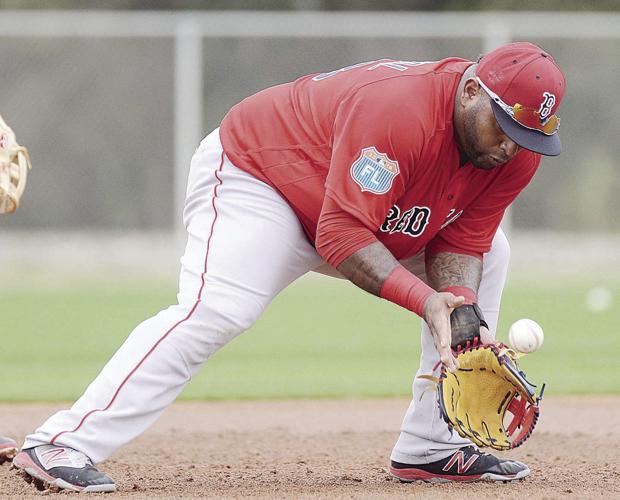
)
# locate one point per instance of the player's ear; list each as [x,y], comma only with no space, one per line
[471,90]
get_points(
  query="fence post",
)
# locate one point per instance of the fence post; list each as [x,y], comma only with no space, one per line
[188,107]
[496,33]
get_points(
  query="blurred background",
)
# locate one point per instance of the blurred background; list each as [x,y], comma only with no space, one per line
[112,97]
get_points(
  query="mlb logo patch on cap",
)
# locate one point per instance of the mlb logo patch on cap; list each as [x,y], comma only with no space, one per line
[373,171]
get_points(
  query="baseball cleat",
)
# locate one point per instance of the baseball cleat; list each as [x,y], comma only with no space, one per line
[61,468]
[464,465]
[8,449]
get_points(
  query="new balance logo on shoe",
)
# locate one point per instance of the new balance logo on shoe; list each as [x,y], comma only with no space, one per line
[54,457]
[462,466]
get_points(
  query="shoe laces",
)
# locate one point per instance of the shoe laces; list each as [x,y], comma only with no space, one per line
[478,451]
[77,458]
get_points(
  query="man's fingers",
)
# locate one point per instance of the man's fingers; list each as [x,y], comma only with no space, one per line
[456,301]
[448,359]
[485,336]
[437,316]
[444,349]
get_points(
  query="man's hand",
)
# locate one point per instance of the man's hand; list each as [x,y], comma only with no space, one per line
[437,310]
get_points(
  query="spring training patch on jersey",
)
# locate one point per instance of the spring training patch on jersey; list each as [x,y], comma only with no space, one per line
[373,171]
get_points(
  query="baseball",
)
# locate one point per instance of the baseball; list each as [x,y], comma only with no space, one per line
[525,335]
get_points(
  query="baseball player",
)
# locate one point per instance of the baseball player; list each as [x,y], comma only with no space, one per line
[393,174]
[14,166]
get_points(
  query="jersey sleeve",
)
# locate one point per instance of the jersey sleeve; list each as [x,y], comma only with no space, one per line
[473,232]
[373,154]
[340,234]
[376,140]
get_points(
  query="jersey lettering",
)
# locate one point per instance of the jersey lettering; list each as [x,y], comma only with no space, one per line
[451,217]
[397,65]
[324,76]
[417,222]
[412,222]
[393,215]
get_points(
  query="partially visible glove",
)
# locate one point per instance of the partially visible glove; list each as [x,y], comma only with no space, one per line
[488,400]
[14,166]
[465,323]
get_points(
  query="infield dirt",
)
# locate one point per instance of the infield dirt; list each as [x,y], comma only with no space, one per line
[332,449]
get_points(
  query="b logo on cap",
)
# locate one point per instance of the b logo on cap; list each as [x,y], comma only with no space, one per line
[545,107]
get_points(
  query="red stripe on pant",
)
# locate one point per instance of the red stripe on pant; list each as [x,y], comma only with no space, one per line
[198,299]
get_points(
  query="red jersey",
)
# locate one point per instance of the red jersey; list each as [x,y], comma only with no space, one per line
[368,153]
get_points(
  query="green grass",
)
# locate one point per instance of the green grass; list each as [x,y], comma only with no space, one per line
[318,339]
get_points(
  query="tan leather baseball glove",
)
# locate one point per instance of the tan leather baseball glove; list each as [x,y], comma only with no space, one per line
[488,399]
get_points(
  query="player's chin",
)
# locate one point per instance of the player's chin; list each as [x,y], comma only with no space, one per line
[486,162]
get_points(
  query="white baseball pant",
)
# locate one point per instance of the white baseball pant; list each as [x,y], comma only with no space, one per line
[244,246]
[424,436]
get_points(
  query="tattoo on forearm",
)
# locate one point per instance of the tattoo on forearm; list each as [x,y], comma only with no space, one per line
[369,267]
[449,269]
